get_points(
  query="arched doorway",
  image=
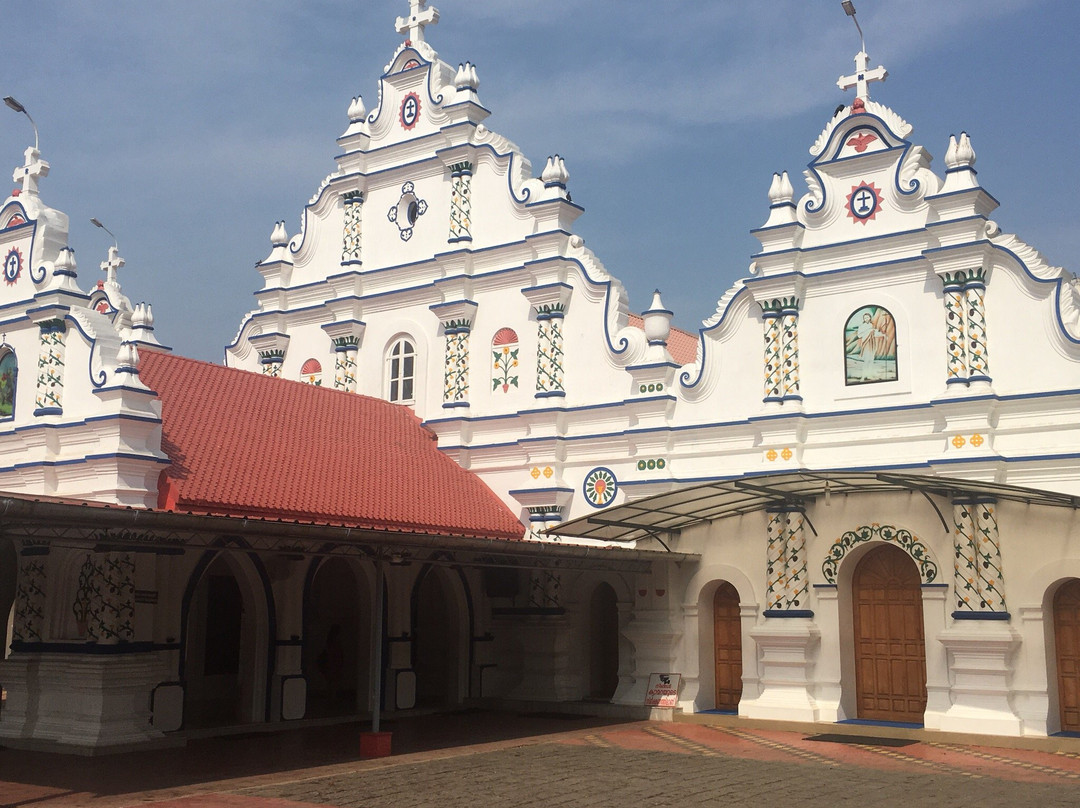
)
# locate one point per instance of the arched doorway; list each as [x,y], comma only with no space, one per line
[603,643]
[1067,648]
[336,641]
[437,644]
[727,647]
[225,648]
[890,651]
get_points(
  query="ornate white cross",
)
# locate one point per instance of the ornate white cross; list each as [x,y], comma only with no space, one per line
[31,171]
[419,17]
[862,77]
[110,266]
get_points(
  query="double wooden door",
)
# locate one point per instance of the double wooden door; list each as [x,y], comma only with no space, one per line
[727,647]
[890,651]
[1067,645]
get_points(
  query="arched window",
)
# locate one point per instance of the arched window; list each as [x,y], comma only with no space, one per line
[504,367]
[401,371]
[311,373]
[9,372]
[870,346]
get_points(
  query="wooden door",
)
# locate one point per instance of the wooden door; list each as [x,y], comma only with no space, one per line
[1067,645]
[727,645]
[890,652]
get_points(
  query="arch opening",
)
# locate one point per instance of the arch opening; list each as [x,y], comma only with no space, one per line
[226,648]
[438,640]
[337,633]
[603,643]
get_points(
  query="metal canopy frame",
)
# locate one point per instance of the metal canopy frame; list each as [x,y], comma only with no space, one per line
[672,512]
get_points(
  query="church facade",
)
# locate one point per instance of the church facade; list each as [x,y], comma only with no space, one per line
[850,496]
[888,325]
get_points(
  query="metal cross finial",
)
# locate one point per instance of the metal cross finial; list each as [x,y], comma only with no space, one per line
[419,17]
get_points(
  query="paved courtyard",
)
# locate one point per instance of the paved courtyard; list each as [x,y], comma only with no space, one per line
[492,760]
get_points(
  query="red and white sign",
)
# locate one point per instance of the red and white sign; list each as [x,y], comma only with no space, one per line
[663,690]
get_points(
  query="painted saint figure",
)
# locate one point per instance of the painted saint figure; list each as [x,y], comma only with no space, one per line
[8,370]
[870,346]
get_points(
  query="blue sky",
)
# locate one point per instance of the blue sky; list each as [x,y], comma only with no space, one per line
[190,127]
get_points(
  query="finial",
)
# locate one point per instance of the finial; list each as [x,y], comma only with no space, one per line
[357,110]
[960,154]
[419,18]
[143,317]
[466,78]
[279,238]
[64,265]
[657,321]
[863,76]
[127,358]
[780,191]
[555,174]
[142,327]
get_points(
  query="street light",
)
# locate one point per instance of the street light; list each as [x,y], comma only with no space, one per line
[96,223]
[849,9]
[17,107]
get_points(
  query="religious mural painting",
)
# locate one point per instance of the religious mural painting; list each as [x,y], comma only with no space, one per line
[9,368]
[870,346]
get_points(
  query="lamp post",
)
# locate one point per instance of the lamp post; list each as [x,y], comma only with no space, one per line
[97,223]
[849,9]
[17,107]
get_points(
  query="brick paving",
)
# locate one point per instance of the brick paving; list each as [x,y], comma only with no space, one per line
[562,774]
[496,760]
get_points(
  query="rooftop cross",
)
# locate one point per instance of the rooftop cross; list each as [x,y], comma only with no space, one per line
[31,171]
[419,17]
[112,264]
[862,77]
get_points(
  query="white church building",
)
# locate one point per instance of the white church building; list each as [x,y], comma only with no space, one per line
[851,496]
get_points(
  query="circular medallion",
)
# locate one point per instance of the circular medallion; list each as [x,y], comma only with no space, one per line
[12,266]
[410,111]
[864,202]
[600,487]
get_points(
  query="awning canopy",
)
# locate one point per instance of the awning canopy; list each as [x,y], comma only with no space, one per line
[674,511]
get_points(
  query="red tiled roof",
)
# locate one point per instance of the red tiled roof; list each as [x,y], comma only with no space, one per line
[245,444]
[682,345]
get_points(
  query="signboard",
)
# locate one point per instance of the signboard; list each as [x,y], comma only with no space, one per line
[663,690]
